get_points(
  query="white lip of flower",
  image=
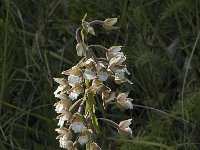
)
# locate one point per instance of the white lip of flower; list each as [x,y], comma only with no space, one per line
[77,124]
[78,127]
[62,105]
[61,81]
[94,146]
[64,143]
[89,74]
[63,117]
[73,79]
[80,48]
[103,76]
[124,101]
[102,72]
[117,60]
[120,74]
[75,91]
[83,139]
[108,96]
[124,127]
[61,96]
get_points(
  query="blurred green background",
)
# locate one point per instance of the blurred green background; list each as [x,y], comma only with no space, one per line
[159,37]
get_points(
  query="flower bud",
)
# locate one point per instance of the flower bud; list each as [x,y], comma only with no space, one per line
[88,28]
[81,48]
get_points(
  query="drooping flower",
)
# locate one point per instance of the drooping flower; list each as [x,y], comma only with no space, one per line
[64,132]
[75,75]
[64,143]
[64,116]
[124,101]
[98,87]
[123,127]
[109,22]
[62,105]
[61,81]
[108,96]
[78,124]
[75,91]
[117,60]
[113,52]
[62,96]
[61,89]
[90,70]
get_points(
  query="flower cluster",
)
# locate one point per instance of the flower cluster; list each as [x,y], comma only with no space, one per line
[87,79]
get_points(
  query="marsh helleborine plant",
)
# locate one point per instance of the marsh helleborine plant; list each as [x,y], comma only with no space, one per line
[77,120]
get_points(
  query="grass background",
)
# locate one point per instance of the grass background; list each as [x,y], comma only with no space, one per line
[160,37]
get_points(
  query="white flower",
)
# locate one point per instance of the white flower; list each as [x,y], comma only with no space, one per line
[75,91]
[89,74]
[123,127]
[64,116]
[62,105]
[73,79]
[81,48]
[124,101]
